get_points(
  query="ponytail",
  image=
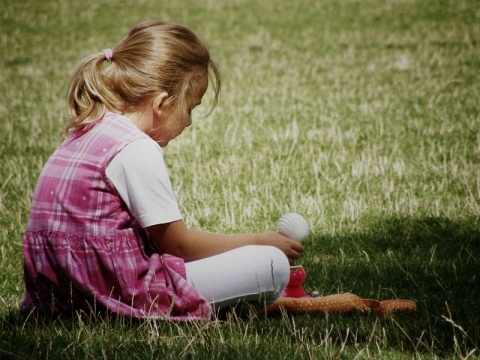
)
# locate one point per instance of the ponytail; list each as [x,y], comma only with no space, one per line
[88,93]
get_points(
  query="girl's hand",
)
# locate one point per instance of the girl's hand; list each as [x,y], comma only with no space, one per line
[291,248]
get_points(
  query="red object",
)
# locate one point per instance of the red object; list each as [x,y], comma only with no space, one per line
[294,288]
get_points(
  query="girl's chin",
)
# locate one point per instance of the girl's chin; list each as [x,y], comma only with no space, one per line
[159,140]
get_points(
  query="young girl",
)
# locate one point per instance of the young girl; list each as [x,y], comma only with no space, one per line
[105,232]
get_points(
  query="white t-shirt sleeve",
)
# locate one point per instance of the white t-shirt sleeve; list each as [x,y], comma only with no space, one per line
[140,176]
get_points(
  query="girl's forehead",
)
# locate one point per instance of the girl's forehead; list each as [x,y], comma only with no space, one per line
[203,84]
[197,95]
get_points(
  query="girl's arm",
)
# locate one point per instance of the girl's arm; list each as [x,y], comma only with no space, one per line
[174,238]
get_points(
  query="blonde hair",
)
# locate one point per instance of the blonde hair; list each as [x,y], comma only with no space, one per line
[154,57]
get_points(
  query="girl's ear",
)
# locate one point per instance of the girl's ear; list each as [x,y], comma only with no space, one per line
[158,103]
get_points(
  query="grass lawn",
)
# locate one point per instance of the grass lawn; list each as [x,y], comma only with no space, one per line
[363,116]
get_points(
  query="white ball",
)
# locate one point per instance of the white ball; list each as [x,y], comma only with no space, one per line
[293,226]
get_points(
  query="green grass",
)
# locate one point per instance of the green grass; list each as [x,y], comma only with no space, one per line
[363,116]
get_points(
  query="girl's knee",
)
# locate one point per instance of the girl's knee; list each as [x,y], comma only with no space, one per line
[280,268]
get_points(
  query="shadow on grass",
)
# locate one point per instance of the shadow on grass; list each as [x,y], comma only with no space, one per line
[434,261]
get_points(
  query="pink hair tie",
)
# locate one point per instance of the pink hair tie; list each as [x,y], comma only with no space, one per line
[108,54]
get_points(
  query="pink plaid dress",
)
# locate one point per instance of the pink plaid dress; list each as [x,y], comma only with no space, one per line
[83,249]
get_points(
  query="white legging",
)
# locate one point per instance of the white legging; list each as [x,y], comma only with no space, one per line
[256,274]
